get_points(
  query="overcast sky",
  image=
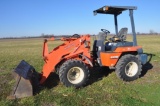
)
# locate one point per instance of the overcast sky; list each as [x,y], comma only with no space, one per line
[34,17]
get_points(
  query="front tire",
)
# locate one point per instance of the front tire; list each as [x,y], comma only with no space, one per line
[74,73]
[128,68]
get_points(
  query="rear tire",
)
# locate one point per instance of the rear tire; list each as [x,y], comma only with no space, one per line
[74,73]
[128,68]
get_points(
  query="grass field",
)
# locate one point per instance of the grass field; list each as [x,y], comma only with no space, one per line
[104,88]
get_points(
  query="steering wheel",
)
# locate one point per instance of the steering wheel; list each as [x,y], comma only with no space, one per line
[105,31]
[76,36]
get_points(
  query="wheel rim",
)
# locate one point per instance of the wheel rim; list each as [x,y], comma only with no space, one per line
[131,69]
[75,75]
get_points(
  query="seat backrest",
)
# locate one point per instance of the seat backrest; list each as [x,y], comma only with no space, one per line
[122,34]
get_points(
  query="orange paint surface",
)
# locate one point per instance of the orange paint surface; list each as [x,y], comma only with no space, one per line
[71,48]
[109,59]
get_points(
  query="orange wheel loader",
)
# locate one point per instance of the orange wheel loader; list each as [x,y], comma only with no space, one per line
[73,59]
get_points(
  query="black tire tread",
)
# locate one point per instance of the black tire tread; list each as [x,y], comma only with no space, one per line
[120,65]
[63,69]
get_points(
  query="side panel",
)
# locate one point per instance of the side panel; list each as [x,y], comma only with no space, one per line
[109,59]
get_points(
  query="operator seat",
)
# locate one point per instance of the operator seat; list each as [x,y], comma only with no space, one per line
[121,35]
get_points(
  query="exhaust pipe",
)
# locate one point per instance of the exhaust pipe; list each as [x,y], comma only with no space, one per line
[27,81]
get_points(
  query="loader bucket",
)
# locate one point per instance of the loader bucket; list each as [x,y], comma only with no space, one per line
[27,81]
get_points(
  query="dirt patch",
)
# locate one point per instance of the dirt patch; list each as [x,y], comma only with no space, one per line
[1,70]
[151,73]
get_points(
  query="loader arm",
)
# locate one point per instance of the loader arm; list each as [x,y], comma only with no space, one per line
[71,47]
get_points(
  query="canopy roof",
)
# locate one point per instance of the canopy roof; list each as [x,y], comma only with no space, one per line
[115,10]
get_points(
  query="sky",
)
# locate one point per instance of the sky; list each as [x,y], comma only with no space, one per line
[66,17]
